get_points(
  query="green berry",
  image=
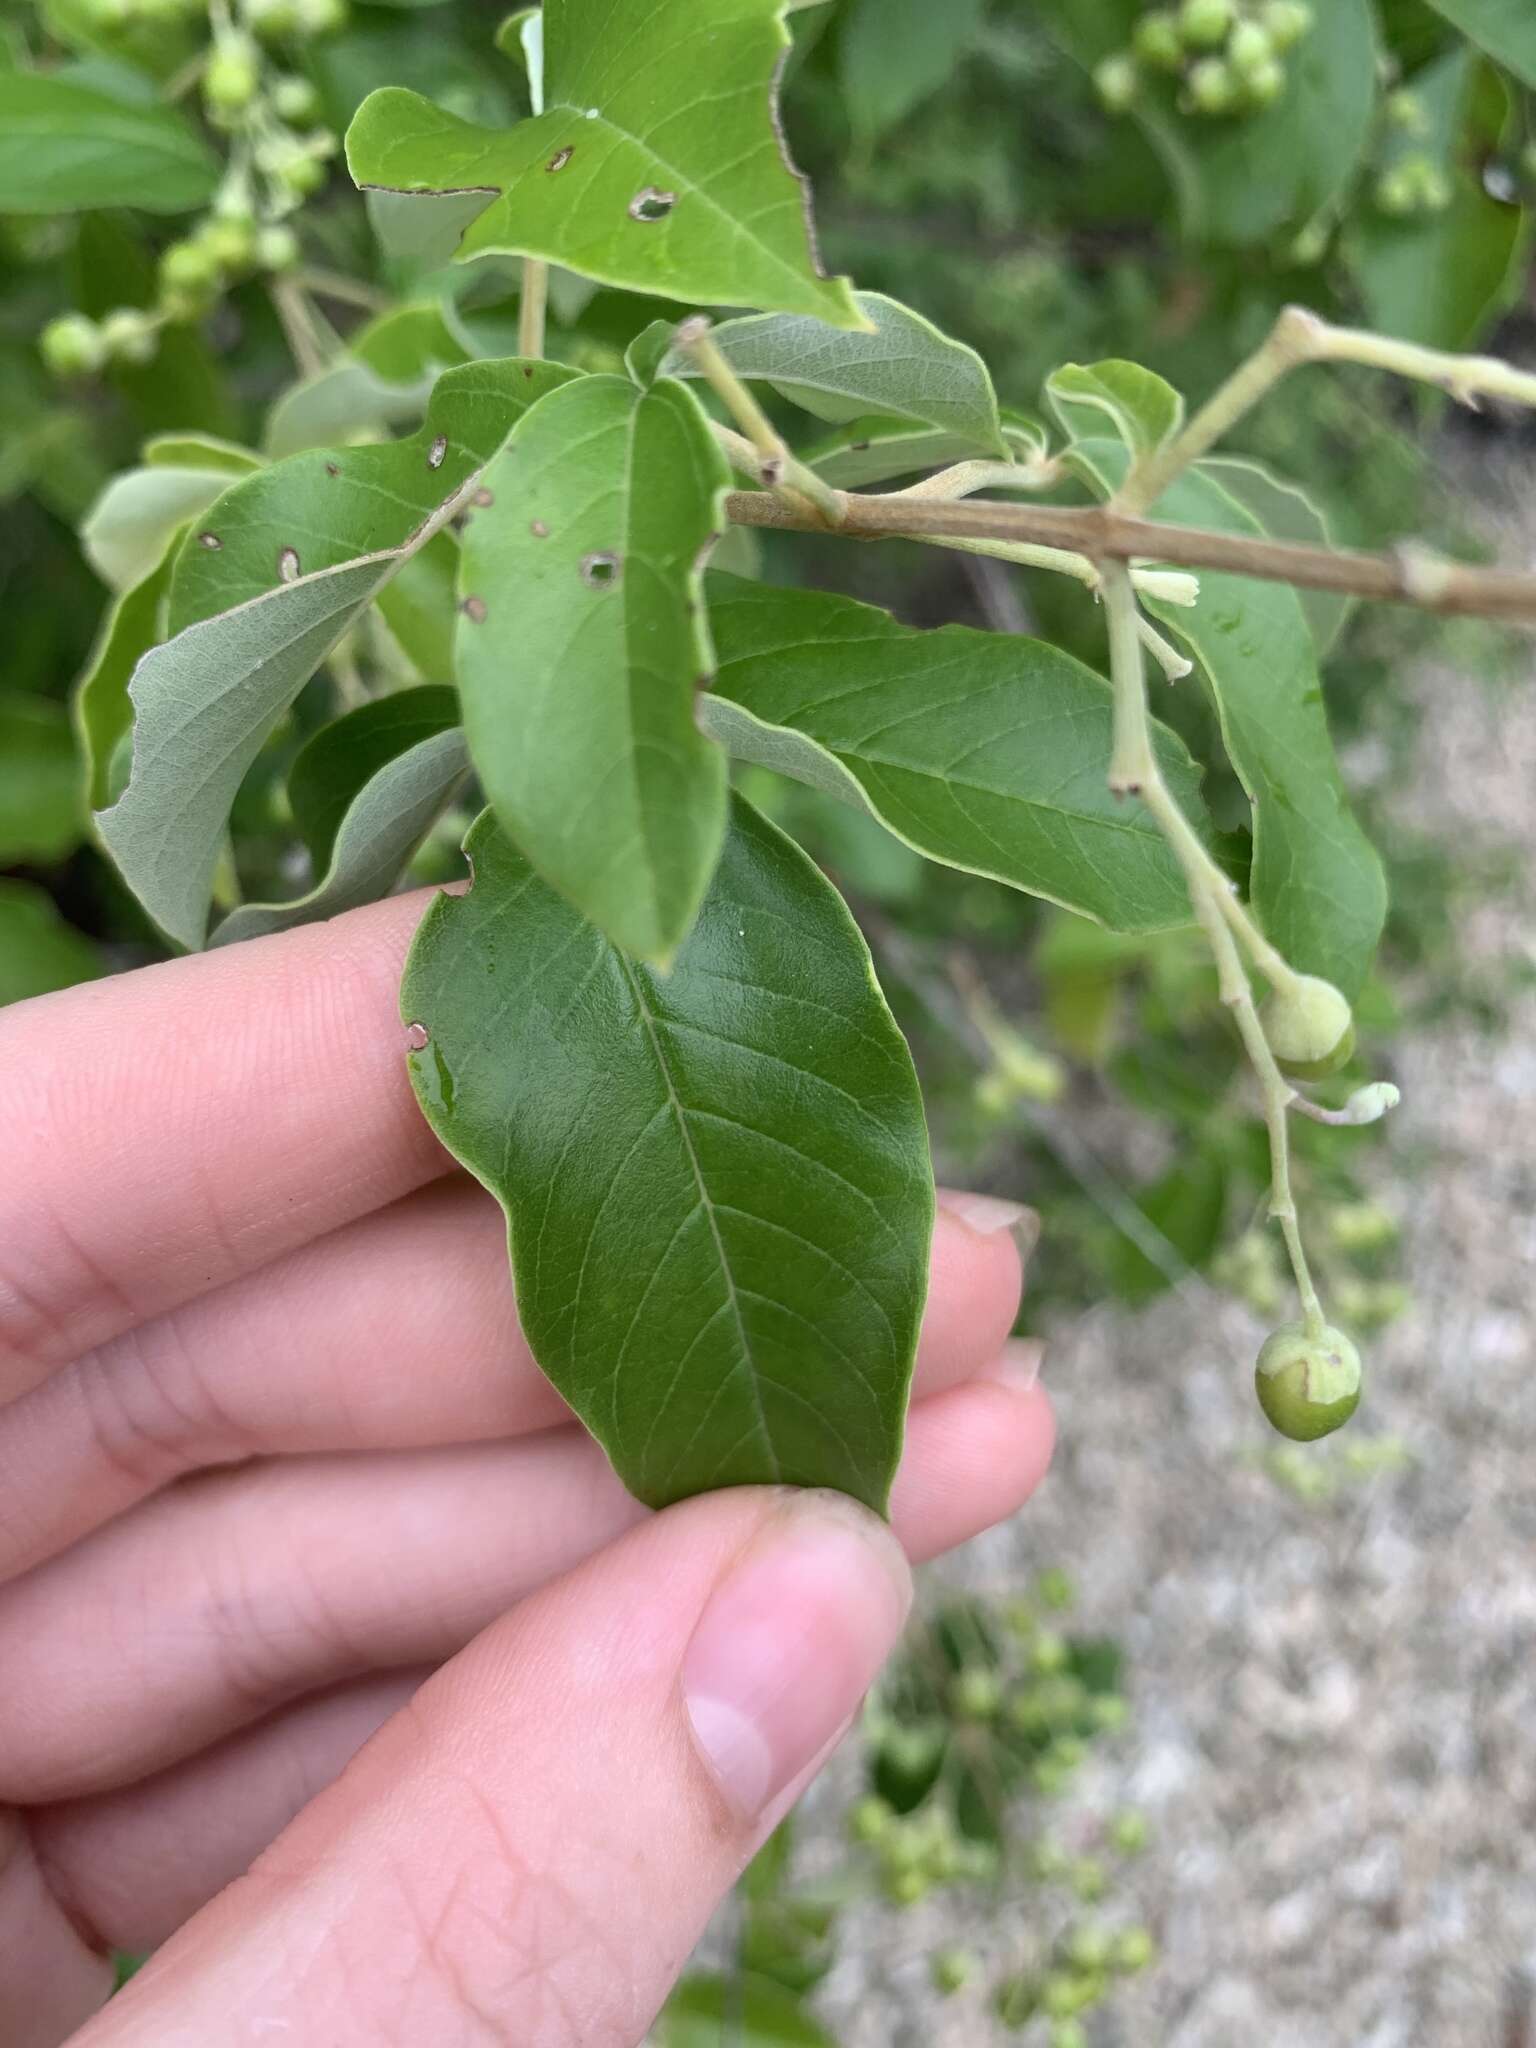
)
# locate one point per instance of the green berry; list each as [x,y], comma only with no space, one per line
[1264,84]
[906,1887]
[229,240]
[130,335]
[1407,111]
[1396,194]
[1117,82]
[295,99]
[322,17]
[1213,87]
[1047,1861]
[272,20]
[870,1820]
[1310,1027]
[188,268]
[1087,1879]
[1017,2000]
[1088,1948]
[1130,1832]
[1156,40]
[1362,1227]
[1110,1711]
[1068,2033]
[1250,48]
[1286,22]
[1205,24]
[976,1694]
[1049,1652]
[72,346]
[951,1969]
[231,75]
[1133,1950]
[1308,1384]
[277,248]
[1311,245]
[1054,1589]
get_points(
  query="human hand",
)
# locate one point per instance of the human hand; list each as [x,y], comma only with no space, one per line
[278,1475]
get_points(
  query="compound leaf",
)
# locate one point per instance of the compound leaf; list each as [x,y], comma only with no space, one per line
[656,164]
[582,648]
[716,1182]
[986,751]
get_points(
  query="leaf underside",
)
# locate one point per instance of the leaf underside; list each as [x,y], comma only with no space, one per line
[716,1182]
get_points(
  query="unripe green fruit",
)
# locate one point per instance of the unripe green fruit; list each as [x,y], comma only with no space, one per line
[230,242]
[277,248]
[1088,1880]
[1110,1711]
[295,99]
[1054,1589]
[231,75]
[1049,1652]
[1068,2033]
[1157,41]
[1134,1949]
[272,19]
[1264,84]
[1117,82]
[906,1887]
[72,346]
[130,335]
[301,174]
[1067,1992]
[1130,1832]
[1213,86]
[951,1969]
[1286,22]
[1088,1949]
[870,1820]
[1204,24]
[322,17]
[188,268]
[1308,1385]
[1017,2000]
[1396,194]
[1310,1027]
[1362,1227]
[1250,48]
[976,1694]
[1407,111]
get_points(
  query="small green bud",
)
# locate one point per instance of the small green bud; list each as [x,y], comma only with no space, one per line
[976,1694]
[1213,87]
[1395,193]
[130,335]
[1047,1861]
[1435,191]
[229,240]
[1156,40]
[295,99]
[72,346]
[1020,1620]
[1088,1948]
[1069,1752]
[1311,245]
[1117,82]
[272,20]
[231,75]
[1308,1385]
[1087,1879]
[1310,1027]
[1286,22]
[1067,2033]
[1130,1832]
[322,17]
[906,1887]
[951,1969]
[188,268]
[1264,84]
[1110,1711]
[1049,1652]
[1407,111]
[1133,1950]
[1054,1589]
[870,1820]
[298,172]
[277,248]
[1250,48]
[1017,2000]
[1362,1227]
[1205,24]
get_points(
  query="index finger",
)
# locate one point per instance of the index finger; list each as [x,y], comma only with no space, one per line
[169,1130]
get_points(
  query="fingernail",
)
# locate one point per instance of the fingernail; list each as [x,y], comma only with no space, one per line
[985,1214]
[1017,1365]
[790,1643]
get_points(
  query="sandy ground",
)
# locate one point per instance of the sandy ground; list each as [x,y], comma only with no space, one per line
[1336,1703]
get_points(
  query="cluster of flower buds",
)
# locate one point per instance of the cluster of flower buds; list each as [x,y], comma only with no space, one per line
[1226,56]
[1409,181]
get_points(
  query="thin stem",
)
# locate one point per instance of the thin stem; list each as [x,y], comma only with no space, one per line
[964,478]
[1134,771]
[297,319]
[533,308]
[1406,576]
[349,291]
[780,471]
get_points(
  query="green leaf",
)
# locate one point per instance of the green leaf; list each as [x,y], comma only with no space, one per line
[385,379]
[128,529]
[1316,882]
[103,713]
[1185,1207]
[657,165]
[1437,278]
[582,650]
[1143,408]
[39,952]
[200,451]
[893,54]
[387,818]
[986,751]
[740,2011]
[65,148]
[873,450]
[1285,512]
[420,608]
[332,767]
[204,702]
[41,815]
[1506,29]
[716,1181]
[902,367]
[329,507]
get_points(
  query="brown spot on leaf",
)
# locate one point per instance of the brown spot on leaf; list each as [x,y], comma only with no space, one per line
[561,158]
[483,497]
[210,541]
[333,469]
[538,529]
[473,609]
[288,565]
[437,451]
[651,204]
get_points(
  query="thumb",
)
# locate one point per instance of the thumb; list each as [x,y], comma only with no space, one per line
[530,1849]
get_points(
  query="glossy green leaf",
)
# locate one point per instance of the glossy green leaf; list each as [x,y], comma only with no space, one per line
[1506,29]
[200,451]
[1141,407]
[1316,882]
[128,529]
[740,2011]
[1437,278]
[892,54]
[41,814]
[582,649]
[716,1181]
[204,702]
[39,952]
[657,165]
[986,751]
[65,147]
[330,506]
[902,367]
[103,713]
[332,767]
[387,818]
